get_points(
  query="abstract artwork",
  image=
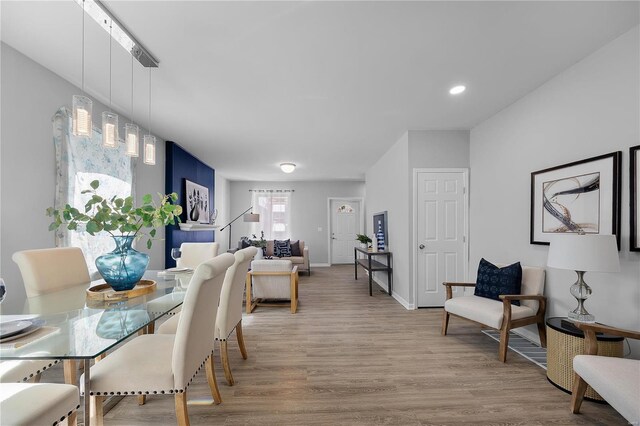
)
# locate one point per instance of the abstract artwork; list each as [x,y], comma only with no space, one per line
[634,187]
[579,197]
[197,202]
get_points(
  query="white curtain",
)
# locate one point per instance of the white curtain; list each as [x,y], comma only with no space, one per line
[274,208]
[79,161]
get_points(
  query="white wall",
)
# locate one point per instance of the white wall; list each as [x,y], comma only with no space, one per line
[309,220]
[30,95]
[222,203]
[590,109]
[387,188]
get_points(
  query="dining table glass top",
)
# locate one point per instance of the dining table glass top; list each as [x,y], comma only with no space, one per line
[73,327]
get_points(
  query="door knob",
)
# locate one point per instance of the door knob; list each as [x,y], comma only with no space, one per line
[421,246]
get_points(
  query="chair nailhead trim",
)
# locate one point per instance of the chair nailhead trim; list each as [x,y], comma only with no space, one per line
[68,414]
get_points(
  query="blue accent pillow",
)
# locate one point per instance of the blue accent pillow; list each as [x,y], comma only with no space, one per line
[493,281]
[282,248]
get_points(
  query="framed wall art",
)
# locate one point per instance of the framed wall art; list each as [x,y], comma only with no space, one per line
[634,186]
[380,231]
[197,197]
[578,197]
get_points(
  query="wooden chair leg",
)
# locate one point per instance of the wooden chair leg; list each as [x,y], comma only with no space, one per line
[577,394]
[211,378]
[100,357]
[142,399]
[97,413]
[445,322]
[294,294]
[72,420]
[70,372]
[37,378]
[504,343]
[248,305]
[225,362]
[181,409]
[240,337]
[151,327]
[542,332]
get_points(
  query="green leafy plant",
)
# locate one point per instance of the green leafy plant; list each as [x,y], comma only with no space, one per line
[118,216]
[364,239]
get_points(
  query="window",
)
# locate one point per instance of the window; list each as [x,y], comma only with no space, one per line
[274,208]
[79,161]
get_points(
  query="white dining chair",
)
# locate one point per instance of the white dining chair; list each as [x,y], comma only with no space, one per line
[229,316]
[26,404]
[52,269]
[164,363]
[16,371]
[193,254]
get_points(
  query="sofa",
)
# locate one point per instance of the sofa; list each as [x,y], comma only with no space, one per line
[269,252]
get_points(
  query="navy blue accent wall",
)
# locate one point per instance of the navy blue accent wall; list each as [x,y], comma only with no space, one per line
[181,165]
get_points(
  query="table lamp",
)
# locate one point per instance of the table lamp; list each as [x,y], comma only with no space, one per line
[583,253]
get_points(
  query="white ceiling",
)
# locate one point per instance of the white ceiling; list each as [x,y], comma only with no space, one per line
[327,85]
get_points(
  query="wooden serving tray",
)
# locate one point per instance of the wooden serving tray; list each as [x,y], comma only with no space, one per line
[104,292]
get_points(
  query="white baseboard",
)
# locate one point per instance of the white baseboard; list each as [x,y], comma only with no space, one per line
[319,265]
[399,299]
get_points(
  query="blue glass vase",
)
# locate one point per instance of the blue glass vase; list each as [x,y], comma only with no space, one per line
[123,267]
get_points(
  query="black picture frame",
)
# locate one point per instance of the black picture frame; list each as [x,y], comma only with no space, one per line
[634,186]
[381,231]
[597,179]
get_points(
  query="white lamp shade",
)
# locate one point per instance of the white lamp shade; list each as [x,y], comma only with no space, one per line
[251,217]
[589,252]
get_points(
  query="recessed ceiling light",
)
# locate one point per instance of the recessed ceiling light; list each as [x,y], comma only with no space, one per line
[456,90]
[287,167]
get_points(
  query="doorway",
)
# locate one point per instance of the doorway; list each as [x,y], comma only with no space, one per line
[345,221]
[441,221]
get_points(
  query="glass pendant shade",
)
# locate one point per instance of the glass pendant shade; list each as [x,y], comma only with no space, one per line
[149,149]
[132,138]
[82,108]
[109,129]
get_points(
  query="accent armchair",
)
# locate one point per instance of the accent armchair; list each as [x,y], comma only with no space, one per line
[617,380]
[271,280]
[503,316]
[166,363]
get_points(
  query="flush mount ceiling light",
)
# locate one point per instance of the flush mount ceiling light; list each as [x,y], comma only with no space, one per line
[287,167]
[456,90]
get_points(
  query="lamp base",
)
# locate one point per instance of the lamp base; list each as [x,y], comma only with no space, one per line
[576,316]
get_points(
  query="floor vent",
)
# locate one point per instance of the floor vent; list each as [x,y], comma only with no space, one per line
[522,346]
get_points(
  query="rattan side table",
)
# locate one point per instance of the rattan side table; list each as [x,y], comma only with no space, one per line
[565,341]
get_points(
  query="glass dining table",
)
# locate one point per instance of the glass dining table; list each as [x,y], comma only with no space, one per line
[75,329]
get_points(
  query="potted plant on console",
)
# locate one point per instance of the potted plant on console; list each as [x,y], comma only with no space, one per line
[365,240]
[123,267]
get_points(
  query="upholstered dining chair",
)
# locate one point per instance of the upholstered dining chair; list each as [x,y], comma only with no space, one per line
[501,314]
[45,271]
[271,280]
[193,254]
[166,363]
[16,371]
[617,380]
[229,316]
[52,269]
[24,404]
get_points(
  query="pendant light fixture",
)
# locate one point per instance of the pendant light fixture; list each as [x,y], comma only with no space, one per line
[149,141]
[131,130]
[109,118]
[82,106]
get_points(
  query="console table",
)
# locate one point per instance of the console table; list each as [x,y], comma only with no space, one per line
[372,266]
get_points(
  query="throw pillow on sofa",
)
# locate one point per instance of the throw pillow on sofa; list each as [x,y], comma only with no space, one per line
[295,248]
[282,248]
[493,281]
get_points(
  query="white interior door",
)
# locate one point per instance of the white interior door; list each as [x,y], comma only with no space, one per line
[345,224]
[441,233]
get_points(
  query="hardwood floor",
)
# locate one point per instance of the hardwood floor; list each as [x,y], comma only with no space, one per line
[348,358]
